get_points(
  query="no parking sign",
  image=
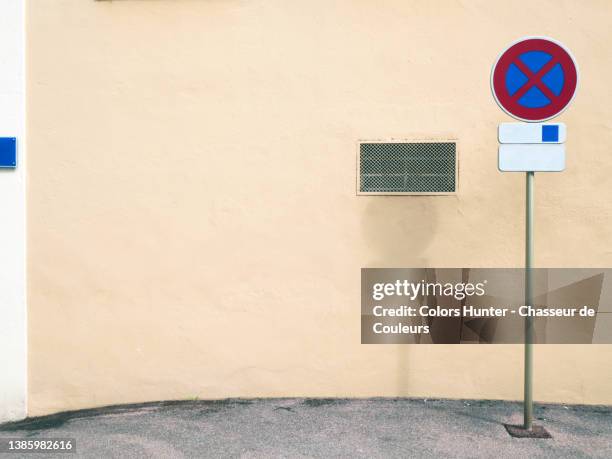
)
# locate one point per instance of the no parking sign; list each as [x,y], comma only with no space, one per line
[533,80]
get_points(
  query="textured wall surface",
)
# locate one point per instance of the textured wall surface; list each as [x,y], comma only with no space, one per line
[194,228]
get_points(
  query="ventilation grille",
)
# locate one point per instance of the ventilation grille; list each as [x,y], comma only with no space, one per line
[414,167]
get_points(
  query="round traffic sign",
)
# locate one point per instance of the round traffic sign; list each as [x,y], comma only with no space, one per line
[535,79]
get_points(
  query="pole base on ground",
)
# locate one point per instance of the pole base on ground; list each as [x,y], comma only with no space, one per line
[521,432]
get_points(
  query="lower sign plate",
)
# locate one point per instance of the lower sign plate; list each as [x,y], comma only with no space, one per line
[532,157]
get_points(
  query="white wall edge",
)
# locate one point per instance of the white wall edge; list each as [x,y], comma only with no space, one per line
[13,295]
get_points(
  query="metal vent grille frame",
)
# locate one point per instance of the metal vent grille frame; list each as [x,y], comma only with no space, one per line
[407,167]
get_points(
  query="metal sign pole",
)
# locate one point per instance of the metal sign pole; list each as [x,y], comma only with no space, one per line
[528,402]
[527,66]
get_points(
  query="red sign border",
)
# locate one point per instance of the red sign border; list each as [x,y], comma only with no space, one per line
[510,54]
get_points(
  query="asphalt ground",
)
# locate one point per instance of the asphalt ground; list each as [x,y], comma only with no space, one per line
[299,428]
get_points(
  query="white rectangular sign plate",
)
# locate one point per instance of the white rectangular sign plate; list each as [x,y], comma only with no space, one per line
[532,157]
[532,133]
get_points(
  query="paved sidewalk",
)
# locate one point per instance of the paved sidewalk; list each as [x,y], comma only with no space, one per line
[322,428]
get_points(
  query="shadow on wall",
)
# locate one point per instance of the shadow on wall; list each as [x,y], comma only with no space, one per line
[397,231]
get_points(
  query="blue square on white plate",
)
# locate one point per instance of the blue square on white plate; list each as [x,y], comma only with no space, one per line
[8,152]
[550,133]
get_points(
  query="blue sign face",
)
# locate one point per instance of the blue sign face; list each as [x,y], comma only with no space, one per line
[531,63]
[8,152]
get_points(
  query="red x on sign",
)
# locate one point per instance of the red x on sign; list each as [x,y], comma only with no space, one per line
[534,79]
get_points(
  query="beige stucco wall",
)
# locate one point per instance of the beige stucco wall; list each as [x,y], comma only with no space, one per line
[193,223]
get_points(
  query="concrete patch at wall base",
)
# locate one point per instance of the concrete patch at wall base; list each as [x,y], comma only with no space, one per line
[13,314]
